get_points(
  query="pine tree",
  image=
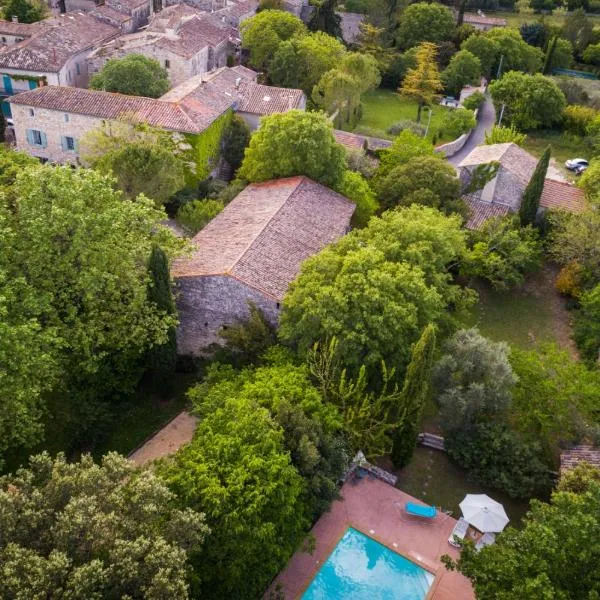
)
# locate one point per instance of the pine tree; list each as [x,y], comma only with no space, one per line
[533,192]
[161,359]
[423,83]
[549,53]
[414,394]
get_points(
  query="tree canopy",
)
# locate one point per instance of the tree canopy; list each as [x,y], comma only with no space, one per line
[26,11]
[464,69]
[424,22]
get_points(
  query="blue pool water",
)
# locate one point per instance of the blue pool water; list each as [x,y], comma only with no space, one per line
[360,568]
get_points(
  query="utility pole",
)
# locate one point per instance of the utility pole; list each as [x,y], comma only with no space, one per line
[500,66]
[428,121]
[501,114]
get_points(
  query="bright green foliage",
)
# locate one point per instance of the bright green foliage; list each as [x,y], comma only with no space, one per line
[503,135]
[236,138]
[576,119]
[518,54]
[587,326]
[414,396]
[474,101]
[502,252]
[196,214]
[578,30]
[86,530]
[424,22]
[459,121]
[25,10]
[301,61]
[579,478]
[549,56]
[238,471]
[532,101]
[589,182]
[83,312]
[592,54]
[371,40]
[294,143]
[464,69]
[562,57]
[485,49]
[548,559]
[405,146]
[325,18]
[162,358]
[427,180]
[11,164]
[530,202]
[357,189]
[262,34]
[377,288]
[134,75]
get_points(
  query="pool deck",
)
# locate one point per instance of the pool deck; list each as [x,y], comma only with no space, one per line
[377,509]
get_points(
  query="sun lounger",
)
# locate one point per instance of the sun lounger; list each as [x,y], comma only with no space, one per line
[419,510]
[487,539]
[459,531]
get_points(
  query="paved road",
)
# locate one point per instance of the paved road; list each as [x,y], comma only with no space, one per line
[487,118]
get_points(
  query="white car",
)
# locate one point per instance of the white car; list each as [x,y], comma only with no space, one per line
[575,164]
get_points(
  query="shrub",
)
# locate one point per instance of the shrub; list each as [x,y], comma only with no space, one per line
[474,101]
[196,214]
[503,135]
[459,121]
[569,280]
[574,92]
[587,326]
[592,54]
[576,118]
[406,125]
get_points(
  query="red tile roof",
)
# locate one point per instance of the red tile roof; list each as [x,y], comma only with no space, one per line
[571,458]
[266,232]
[482,211]
[561,195]
[259,99]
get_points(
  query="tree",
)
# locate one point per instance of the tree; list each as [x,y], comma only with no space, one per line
[371,41]
[423,83]
[262,34]
[535,34]
[485,49]
[591,54]
[502,252]
[238,471]
[502,135]
[376,288]
[458,121]
[579,478]
[530,202]
[587,326]
[236,140]
[414,396]
[548,558]
[577,120]
[405,146]
[549,56]
[464,68]
[589,182]
[474,101]
[25,11]
[427,180]
[531,101]
[195,215]
[356,188]
[86,530]
[578,30]
[294,143]
[562,55]
[517,54]
[325,18]
[423,22]
[134,75]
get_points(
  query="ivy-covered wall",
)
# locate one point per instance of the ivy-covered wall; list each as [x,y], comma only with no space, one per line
[205,149]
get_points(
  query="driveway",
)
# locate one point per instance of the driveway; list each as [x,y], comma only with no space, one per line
[487,118]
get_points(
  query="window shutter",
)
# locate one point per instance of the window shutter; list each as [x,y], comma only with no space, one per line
[30,136]
[63,143]
[76,145]
[44,139]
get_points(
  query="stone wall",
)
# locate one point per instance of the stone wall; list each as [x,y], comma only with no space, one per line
[451,148]
[207,303]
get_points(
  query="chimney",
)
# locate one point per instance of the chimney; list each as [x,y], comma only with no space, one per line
[15,19]
[237,83]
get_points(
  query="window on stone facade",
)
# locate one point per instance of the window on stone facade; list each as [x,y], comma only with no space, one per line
[36,136]
[4,39]
[31,113]
[69,143]
[278,306]
[167,64]
[78,69]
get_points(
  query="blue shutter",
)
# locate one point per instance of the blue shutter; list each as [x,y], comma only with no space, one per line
[44,139]
[7,84]
[30,136]
[76,146]
[63,143]
[32,84]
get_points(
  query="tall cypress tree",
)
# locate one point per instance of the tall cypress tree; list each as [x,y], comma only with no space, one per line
[461,12]
[533,192]
[161,359]
[414,395]
[549,54]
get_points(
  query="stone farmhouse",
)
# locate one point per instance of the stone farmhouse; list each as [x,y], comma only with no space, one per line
[251,252]
[184,40]
[53,52]
[503,191]
[49,121]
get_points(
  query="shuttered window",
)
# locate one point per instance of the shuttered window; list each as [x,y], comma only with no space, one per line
[37,138]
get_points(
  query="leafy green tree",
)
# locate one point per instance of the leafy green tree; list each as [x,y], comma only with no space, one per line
[294,143]
[236,140]
[589,182]
[377,288]
[502,252]
[427,180]
[195,215]
[549,56]
[424,22]
[238,471]
[25,11]
[549,558]
[87,530]
[464,69]
[356,188]
[592,54]
[517,54]
[530,202]
[485,49]
[325,18]
[423,84]
[262,34]
[458,121]
[579,479]
[414,396]
[502,135]
[578,30]
[405,146]
[562,56]
[531,101]
[587,326]
[134,75]
[371,40]
[577,119]
[535,34]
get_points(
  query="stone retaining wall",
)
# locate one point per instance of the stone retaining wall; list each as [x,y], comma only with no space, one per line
[451,148]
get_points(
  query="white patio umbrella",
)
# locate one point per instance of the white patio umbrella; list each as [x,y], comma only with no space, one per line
[483,513]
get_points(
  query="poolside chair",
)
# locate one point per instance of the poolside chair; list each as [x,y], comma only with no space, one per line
[487,539]
[419,510]
[459,531]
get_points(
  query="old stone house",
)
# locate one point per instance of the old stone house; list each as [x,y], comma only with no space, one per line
[127,15]
[482,22]
[252,251]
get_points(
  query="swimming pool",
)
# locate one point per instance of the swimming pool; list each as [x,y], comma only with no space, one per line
[361,568]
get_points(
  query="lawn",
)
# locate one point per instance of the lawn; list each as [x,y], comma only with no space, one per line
[515,19]
[433,478]
[381,108]
[564,146]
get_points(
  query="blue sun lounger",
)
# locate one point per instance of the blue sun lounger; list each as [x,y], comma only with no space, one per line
[418,510]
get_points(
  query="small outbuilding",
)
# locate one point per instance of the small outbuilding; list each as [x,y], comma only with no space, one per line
[251,252]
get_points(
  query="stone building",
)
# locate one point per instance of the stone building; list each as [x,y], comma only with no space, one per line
[128,15]
[483,23]
[252,251]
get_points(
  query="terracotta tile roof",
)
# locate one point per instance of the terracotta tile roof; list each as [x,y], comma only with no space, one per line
[263,235]
[259,99]
[494,21]
[106,105]
[482,211]
[561,195]
[20,29]
[61,38]
[354,141]
[571,458]
[103,11]
[241,9]
[513,158]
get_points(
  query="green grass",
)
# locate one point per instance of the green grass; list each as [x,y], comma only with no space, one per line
[517,19]
[382,108]
[564,146]
[434,479]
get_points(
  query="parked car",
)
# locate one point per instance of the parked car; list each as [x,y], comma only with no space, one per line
[575,163]
[580,169]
